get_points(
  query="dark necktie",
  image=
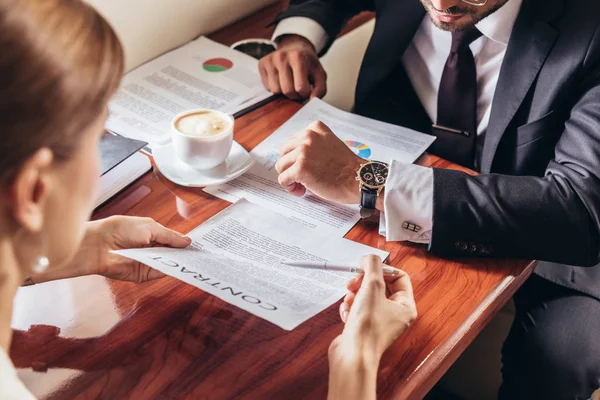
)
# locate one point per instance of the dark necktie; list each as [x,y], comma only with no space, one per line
[456,127]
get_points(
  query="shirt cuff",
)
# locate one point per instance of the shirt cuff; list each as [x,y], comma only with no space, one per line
[408,203]
[305,27]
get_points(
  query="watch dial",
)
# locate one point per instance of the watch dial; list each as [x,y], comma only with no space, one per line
[374,174]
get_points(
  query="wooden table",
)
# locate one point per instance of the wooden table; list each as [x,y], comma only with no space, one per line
[95,338]
[165,339]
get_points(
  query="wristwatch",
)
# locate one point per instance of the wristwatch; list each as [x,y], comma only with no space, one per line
[371,179]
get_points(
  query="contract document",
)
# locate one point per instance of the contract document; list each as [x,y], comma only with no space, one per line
[369,139]
[236,256]
[201,74]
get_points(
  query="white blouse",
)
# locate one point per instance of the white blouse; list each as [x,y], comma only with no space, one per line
[11,387]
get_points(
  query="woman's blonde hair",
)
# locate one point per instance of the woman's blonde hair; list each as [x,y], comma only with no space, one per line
[60,62]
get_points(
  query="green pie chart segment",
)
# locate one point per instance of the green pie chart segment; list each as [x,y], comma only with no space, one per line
[217,65]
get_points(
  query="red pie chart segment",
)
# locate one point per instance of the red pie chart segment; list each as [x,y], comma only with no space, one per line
[217,65]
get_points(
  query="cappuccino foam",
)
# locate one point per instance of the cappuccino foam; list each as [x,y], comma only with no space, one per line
[202,123]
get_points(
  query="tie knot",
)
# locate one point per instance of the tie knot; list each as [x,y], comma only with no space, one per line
[462,39]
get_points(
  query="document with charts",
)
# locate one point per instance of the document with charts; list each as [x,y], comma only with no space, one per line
[370,139]
[200,74]
[236,256]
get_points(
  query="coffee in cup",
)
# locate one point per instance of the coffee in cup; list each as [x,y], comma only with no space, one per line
[202,138]
[202,123]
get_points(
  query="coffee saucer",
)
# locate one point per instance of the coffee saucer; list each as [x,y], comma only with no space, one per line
[175,170]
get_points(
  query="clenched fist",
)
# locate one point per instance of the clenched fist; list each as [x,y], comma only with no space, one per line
[317,160]
[294,70]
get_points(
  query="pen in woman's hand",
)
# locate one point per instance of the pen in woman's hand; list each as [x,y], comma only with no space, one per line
[324,265]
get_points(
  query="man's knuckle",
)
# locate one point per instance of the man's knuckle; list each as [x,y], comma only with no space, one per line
[304,148]
[303,88]
[292,55]
[302,162]
[280,57]
[309,134]
[318,125]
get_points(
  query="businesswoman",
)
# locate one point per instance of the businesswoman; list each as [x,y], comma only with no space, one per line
[60,64]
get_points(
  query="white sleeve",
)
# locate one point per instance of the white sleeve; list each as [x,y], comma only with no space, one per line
[305,27]
[408,203]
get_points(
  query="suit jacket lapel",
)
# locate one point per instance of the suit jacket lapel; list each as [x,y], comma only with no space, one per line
[395,28]
[530,43]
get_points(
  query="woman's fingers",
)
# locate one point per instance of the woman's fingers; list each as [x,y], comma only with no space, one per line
[400,286]
[354,284]
[159,235]
[373,274]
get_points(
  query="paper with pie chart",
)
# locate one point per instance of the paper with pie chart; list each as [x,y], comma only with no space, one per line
[367,138]
[201,74]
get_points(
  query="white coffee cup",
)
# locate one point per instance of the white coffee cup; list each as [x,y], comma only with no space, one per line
[202,152]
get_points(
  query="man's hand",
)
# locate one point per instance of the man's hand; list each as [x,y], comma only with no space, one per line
[317,160]
[294,70]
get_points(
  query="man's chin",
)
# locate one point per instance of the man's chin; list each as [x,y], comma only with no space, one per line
[451,23]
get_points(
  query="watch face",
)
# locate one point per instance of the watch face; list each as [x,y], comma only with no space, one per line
[374,174]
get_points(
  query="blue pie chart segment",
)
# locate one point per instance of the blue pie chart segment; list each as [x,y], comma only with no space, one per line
[360,149]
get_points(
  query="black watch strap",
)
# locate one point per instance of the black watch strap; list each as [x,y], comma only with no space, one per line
[368,202]
[368,199]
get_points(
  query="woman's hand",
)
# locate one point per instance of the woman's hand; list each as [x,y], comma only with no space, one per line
[377,309]
[374,320]
[119,233]
[116,233]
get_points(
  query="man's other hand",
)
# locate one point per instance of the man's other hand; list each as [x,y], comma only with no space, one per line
[294,70]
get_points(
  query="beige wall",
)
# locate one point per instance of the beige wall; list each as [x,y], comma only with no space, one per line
[149,28]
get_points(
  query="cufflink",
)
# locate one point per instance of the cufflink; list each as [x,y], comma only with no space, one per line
[409,226]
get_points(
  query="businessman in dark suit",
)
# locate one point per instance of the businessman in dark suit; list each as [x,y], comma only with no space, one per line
[510,88]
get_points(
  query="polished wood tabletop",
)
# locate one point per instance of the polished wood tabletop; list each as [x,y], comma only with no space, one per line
[92,337]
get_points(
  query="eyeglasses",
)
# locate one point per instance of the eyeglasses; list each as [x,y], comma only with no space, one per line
[478,3]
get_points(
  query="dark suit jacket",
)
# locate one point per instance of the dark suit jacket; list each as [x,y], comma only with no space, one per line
[538,194]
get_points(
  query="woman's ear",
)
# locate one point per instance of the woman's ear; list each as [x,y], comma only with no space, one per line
[29,189]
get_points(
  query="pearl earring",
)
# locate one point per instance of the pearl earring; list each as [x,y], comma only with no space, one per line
[41,265]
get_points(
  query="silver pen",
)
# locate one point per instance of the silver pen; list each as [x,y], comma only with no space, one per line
[324,265]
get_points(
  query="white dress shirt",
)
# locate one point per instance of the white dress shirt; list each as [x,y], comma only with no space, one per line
[409,188]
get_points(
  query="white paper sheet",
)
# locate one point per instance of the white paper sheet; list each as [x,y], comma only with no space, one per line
[370,139]
[201,74]
[236,256]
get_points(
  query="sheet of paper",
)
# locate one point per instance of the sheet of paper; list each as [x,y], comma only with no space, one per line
[370,139]
[236,256]
[201,74]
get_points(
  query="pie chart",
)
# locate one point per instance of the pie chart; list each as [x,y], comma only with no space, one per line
[217,65]
[360,149]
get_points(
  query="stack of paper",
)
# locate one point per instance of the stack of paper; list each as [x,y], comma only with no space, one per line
[368,138]
[122,164]
[201,74]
